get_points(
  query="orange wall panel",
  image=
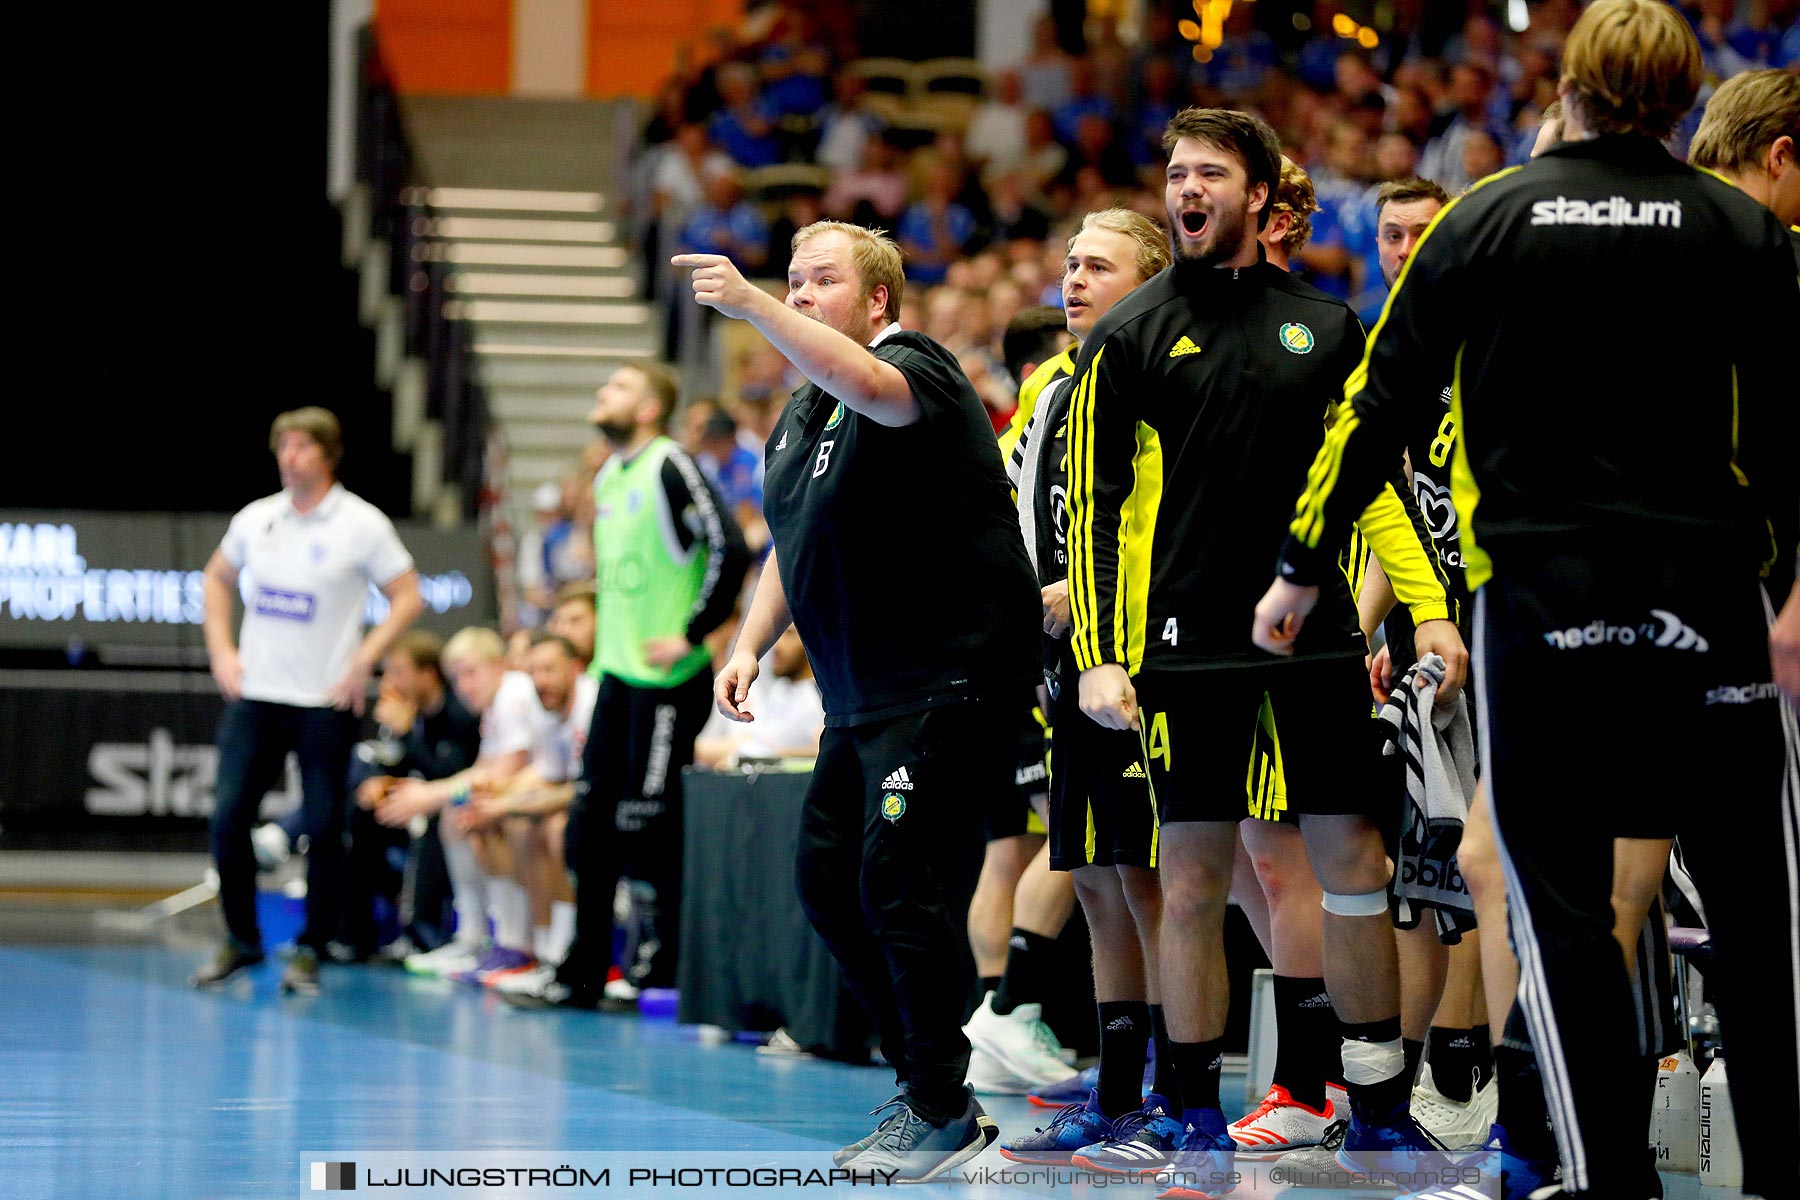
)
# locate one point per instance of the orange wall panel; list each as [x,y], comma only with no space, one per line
[447,47]
[630,63]
[632,44]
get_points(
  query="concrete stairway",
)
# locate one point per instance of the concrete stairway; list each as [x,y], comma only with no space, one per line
[527,201]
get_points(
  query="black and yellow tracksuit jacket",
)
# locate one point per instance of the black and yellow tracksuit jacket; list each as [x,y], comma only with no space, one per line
[1620,330]
[1199,399]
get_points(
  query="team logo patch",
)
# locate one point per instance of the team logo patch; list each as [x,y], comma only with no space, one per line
[634,502]
[1296,338]
[283,605]
[893,807]
[837,416]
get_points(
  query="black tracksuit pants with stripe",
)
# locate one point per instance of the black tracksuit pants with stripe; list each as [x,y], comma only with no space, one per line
[1632,698]
[891,842]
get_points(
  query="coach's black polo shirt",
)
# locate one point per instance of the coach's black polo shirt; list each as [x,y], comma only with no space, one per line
[899,548]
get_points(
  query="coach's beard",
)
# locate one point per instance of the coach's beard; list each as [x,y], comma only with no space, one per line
[862,333]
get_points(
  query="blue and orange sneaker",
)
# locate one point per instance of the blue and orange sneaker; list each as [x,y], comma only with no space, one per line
[1202,1166]
[498,958]
[1076,1127]
[1073,1090]
[1141,1142]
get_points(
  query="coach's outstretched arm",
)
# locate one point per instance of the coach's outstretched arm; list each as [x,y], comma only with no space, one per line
[843,369]
[767,619]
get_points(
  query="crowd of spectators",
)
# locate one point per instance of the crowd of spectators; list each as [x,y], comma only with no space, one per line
[785,120]
[768,127]
[780,122]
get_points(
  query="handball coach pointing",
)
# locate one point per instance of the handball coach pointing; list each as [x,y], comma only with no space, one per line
[898,556]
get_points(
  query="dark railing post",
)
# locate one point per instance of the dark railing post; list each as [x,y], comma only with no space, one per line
[401,216]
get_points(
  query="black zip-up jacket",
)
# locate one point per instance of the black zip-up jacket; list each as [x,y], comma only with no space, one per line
[1200,399]
[1620,330]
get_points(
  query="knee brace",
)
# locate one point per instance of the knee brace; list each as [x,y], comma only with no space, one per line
[1366,904]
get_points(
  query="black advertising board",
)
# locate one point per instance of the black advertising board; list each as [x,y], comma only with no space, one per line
[127,586]
[112,760]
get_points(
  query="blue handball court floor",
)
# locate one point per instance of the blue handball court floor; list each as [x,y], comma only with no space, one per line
[117,1079]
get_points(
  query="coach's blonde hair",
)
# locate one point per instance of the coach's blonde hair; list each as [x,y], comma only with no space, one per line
[475,643]
[1744,118]
[1151,239]
[1632,66]
[875,254]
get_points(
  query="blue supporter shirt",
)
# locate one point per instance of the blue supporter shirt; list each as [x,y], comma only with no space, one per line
[1364,234]
[796,95]
[1317,64]
[917,227]
[745,148]
[1148,121]
[1067,119]
[1343,220]
[1241,65]
[712,230]
[739,478]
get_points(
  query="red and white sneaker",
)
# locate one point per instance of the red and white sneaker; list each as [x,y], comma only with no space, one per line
[1281,1123]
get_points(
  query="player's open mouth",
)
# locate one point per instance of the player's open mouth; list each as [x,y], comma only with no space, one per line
[1193,222]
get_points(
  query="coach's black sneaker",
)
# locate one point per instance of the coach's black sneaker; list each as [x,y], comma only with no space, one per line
[915,1150]
[549,993]
[225,965]
[301,975]
[840,1157]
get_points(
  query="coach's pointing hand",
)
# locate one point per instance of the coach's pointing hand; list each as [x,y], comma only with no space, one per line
[1108,697]
[718,284]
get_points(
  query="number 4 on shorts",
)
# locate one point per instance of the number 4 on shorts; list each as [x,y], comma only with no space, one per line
[1156,739]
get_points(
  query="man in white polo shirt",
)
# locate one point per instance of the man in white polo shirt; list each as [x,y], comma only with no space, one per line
[298,679]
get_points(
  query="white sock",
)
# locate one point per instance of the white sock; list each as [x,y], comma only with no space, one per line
[511,911]
[560,934]
[469,892]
